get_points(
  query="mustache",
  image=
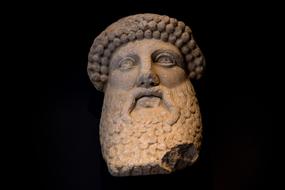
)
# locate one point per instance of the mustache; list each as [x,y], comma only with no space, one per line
[158,91]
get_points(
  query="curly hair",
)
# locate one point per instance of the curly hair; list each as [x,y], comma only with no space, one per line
[137,27]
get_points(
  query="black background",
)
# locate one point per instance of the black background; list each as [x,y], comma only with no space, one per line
[237,95]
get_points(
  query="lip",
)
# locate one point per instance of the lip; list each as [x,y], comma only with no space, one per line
[148,101]
[149,94]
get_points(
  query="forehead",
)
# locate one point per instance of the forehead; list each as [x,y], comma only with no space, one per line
[144,47]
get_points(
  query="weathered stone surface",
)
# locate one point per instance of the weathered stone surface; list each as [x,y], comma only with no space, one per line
[150,122]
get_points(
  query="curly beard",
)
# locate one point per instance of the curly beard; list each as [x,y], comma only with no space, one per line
[150,131]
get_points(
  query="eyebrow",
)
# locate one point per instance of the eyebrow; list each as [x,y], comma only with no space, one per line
[156,52]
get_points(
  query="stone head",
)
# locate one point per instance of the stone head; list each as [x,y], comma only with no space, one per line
[150,122]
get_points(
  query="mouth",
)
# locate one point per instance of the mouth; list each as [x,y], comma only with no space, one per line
[150,98]
[148,101]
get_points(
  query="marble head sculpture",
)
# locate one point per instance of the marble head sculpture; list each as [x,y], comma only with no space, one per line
[150,121]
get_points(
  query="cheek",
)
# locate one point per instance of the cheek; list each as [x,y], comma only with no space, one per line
[123,79]
[171,77]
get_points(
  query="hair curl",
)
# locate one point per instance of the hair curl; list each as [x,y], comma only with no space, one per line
[137,27]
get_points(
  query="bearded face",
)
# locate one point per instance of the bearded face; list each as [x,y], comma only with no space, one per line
[150,121]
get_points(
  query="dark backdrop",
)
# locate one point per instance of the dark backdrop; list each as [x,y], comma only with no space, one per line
[237,95]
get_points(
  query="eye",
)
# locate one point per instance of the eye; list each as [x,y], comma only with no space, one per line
[165,59]
[126,64]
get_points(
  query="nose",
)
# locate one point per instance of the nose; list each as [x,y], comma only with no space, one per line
[148,79]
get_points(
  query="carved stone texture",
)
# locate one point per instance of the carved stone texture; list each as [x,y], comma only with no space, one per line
[150,122]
